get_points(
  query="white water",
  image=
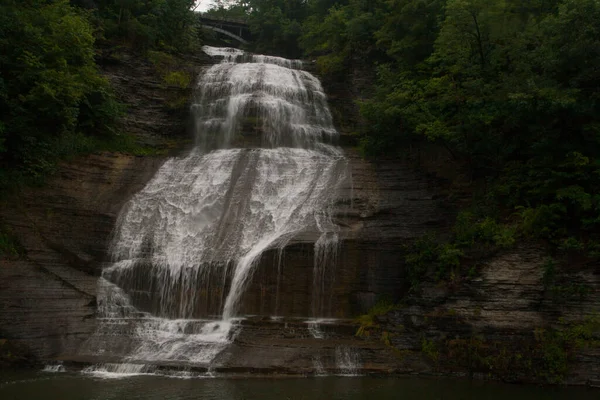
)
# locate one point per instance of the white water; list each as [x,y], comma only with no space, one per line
[125,370]
[238,56]
[314,326]
[347,361]
[325,259]
[318,366]
[263,172]
[315,330]
[54,368]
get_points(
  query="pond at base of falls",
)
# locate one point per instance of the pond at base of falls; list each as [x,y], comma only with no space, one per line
[66,386]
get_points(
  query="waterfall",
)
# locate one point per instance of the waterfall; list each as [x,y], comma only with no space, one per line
[264,171]
[318,366]
[54,368]
[347,361]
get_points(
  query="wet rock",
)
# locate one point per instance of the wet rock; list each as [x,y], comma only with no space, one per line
[501,323]
[48,296]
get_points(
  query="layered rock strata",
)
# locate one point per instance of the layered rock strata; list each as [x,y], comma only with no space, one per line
[48,296]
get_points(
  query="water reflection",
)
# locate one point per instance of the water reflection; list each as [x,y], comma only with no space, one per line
[71,387]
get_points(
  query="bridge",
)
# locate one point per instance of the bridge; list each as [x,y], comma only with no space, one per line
[234,28]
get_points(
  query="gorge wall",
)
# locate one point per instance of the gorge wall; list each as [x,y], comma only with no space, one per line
[48,295]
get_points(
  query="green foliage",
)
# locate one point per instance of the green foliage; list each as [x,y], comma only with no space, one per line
[570,292]
[546,355]
[581,335]
[507,87]
[430,349]
[174,73]
[409,30]
[54,102]
[554,357]
[368,322]
[276,25]
[161,60]
[344,36]
[428,257]
[225,9]
[170,69]
[470,230]
[473,354]
[561,289]
[50,89]
[556,346]
[422,255]
[382,307]
[9,244]
[149,24]
[180,79]
[331,65]
[386,338]
[549,276]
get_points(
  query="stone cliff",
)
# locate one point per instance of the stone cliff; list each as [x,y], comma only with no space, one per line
[47,295]
[501,324]
[505,322]
[48,303]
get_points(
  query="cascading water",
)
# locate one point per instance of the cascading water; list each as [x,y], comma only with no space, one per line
[264,171]
[347,361]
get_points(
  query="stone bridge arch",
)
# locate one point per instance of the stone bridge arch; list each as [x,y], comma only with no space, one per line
[236,29]
[226,32]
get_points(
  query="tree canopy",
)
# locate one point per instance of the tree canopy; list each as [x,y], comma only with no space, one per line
[510,88]
[53,100]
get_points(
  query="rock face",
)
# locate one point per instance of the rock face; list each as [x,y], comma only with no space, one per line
[156,113]
[48,296]
[503,323]
[388,205]
[295,347]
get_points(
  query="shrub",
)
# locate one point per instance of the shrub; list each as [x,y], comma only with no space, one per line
[9,244]
[180,79]
[369,320]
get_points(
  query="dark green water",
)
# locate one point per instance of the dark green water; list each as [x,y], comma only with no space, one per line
[65,386]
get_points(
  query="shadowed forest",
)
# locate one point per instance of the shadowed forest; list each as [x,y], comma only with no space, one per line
[53,100]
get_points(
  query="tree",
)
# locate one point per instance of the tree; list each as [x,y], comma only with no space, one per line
[276,26]
[149,23]
[48,83]
[410,30]
[345,37]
